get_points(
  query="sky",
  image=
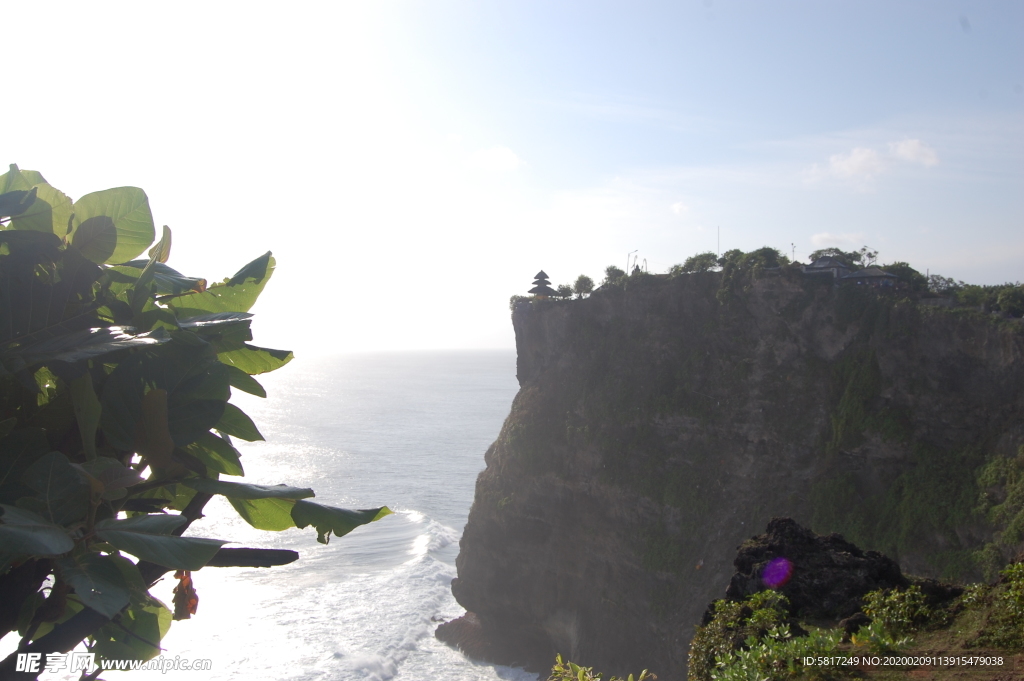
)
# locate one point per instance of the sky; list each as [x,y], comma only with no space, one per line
[413,164]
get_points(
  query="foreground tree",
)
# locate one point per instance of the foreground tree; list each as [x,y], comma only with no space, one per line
[116,424]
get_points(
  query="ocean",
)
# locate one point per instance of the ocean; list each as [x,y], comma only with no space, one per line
[405,430]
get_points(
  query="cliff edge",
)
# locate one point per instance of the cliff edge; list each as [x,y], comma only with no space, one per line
[661,423]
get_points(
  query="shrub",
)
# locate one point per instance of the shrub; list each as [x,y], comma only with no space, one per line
[731,623]
[898,612]
[515,300]
[779,655]
[569,671]
[877,639]
[1013,597]
[1002,628]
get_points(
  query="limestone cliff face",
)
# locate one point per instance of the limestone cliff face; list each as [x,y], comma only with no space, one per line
[657,427]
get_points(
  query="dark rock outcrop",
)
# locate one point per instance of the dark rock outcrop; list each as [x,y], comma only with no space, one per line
[658,425]
[829,575]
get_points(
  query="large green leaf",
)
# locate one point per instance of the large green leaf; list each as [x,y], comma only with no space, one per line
[97,580]
[215,321]
[244,490]
[327,519]
[244,382]
[16,179]
[114,477]
[147,538]
[16,202]
[119,279]
[253,360]
[121,402]
[198,399]
[137,633]
[137,587]
[168,280]
[113,225]
[235,422]
[216,454]
[63,489]
[237,295]
[18,451]
[150,524]
[23,532]
[47,289]
[50,212]
[272,515]
[83,344]
[72,607]
[196,384]
[188,419]
[87,412]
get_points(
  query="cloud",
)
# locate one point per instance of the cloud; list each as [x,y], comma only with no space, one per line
[861,165]
[858,163]
[680,208]
[914,151]
[826,239]
[495,160]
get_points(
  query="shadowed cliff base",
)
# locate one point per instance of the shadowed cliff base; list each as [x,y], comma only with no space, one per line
[660,422]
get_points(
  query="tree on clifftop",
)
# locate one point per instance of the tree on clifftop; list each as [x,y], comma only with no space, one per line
[865,257]
[907,274]
[613,275]
[702,262]
[584,286]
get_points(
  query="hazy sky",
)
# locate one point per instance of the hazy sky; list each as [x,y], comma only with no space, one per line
[413,164]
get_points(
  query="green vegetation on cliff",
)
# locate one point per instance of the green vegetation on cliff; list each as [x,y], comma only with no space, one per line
[753,639]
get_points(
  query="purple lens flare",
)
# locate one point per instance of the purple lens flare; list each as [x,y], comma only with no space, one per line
[777,572]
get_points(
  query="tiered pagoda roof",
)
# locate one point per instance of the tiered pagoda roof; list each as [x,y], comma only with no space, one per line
[541,285]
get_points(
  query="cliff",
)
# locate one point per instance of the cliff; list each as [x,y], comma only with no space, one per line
[661,423]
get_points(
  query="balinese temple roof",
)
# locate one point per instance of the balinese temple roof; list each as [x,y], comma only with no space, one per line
[543,290]
[541,275]
[870,272]
[827,261]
